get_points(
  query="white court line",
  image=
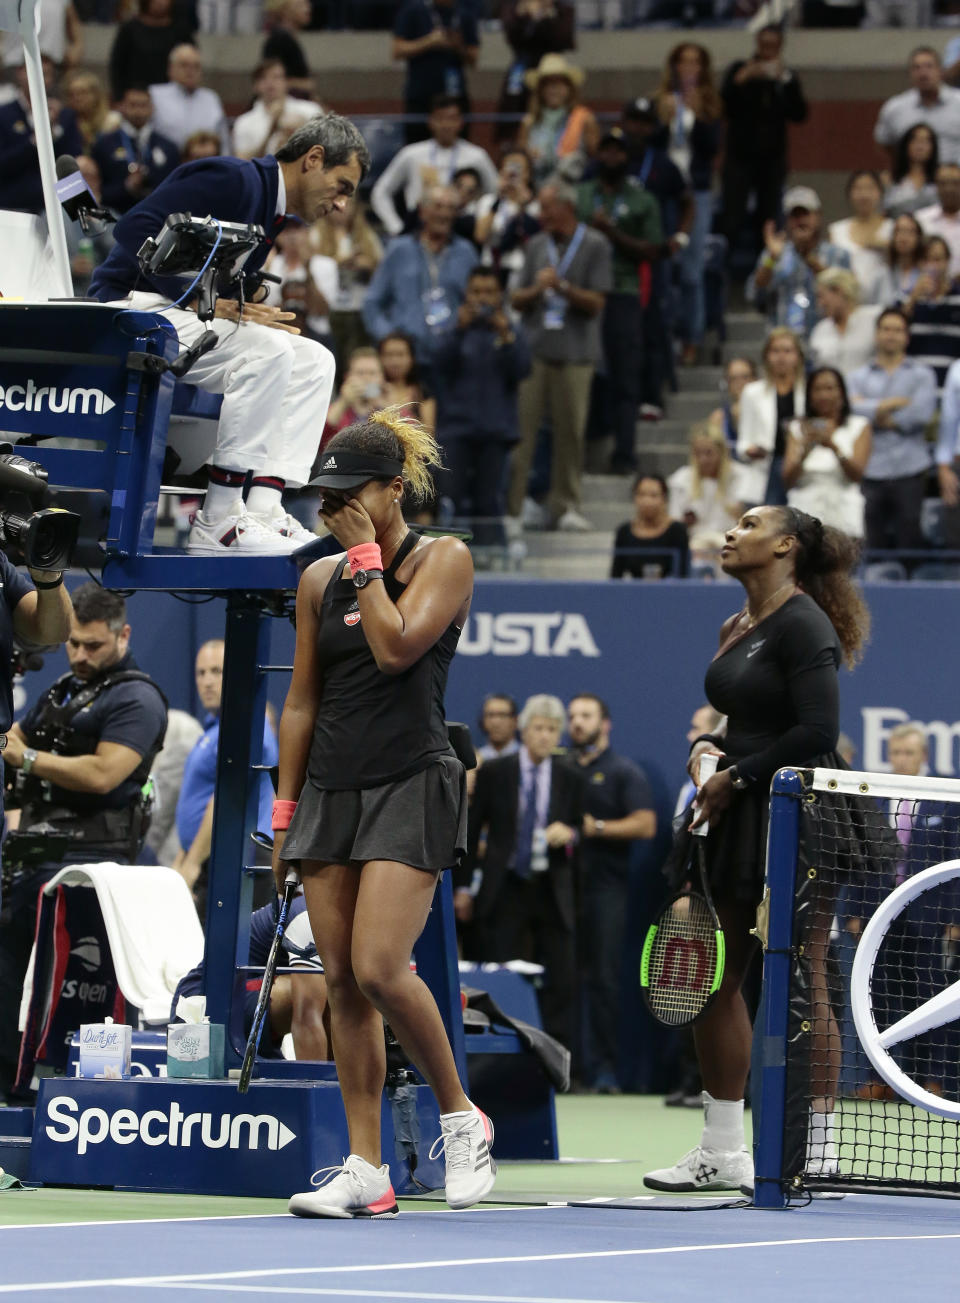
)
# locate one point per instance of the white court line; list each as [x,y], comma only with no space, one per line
[284,1216]
[198,1278]
[140,1221]
[339,1292]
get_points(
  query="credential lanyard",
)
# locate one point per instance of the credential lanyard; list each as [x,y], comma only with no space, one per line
[562,264]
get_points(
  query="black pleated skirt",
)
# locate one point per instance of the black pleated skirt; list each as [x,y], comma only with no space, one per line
[420,821]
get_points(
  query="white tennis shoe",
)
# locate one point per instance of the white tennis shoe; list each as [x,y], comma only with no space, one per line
[357,1189]
[288,527]
[465,1139]
[704,1169]
[238,533]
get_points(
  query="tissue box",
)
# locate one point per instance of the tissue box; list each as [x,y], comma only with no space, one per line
[195,1049]
[105,1050]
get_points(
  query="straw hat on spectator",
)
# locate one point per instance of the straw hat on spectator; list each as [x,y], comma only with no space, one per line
[554,65]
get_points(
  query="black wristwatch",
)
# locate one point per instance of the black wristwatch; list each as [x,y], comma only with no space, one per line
[362,577]
[739,784]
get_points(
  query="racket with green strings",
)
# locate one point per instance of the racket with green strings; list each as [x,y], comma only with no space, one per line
[682,963]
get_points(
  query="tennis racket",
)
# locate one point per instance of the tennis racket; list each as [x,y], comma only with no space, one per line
[291,883]
[682,963]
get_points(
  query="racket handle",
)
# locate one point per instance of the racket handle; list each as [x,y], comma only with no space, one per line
[708,767]
[293,878]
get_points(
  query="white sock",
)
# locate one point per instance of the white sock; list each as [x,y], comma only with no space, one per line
[263,499]
[221,500]
[821,1141]
[722,1123]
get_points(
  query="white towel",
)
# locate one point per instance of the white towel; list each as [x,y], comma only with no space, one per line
[152,927]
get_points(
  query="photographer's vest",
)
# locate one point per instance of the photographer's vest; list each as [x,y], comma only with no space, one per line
[121,830]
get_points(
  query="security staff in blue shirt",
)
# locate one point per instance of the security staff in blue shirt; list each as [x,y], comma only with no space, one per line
[618,810]
[134,159]
[195,804]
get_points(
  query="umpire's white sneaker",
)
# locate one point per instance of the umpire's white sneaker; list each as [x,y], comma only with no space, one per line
[357,1189]
[289,529]
[704,1169]
[238,533]
[465,1139]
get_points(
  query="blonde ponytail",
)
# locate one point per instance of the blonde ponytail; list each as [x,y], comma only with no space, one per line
[388,433]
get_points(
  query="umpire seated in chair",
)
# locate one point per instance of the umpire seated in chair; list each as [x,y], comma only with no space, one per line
[79,762]
[530,806]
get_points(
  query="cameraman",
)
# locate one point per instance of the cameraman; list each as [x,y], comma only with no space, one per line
[83,754]
[276,384]
[34,615]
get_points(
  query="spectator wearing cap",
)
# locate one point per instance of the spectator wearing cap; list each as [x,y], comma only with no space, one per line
[439,41]
[532,28]
[558,132]
[943,218]
[656,171]
[784,281]
[761,97]
[690,112]
[929,101]
[628,216]
[898,396]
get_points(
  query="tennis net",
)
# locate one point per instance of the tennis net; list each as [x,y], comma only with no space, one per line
[857,1079]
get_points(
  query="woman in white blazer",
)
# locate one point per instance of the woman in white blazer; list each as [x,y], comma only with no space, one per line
[767,407]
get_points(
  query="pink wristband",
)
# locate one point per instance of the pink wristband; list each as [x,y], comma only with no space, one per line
[365,556]
[282,814]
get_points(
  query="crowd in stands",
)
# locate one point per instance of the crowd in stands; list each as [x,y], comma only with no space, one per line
[562,272]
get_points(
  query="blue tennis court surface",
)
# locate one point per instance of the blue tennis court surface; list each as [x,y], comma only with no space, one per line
[865,1247]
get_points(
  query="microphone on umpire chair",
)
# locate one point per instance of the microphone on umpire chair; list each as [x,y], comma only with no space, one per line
[76,198]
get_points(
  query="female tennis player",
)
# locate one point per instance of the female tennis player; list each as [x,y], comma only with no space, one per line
[371,797]
[774,676]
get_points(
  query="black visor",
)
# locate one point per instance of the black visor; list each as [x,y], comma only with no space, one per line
[348,470]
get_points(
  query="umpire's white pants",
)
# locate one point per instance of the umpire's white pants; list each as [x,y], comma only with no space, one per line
[276,390]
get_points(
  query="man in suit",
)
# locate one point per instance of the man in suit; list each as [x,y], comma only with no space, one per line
[918,943]
[529,807]
[135,158]
[276,384]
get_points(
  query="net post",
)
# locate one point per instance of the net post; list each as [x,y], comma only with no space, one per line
[769,1093]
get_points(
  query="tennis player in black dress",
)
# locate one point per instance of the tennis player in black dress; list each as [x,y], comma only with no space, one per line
[371,799]
[774,677]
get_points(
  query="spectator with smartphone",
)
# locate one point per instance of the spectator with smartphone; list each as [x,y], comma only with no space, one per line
[361,394]
[761,97]
[439,41]
[826,455]
[483,361]
[503,222]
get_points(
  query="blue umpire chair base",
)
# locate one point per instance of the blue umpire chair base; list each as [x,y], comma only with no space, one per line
[204,1137]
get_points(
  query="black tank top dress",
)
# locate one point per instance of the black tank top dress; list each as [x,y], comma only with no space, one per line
[382,780]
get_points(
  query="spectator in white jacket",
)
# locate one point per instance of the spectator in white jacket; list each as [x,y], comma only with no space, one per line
[767,407]
[426,164]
